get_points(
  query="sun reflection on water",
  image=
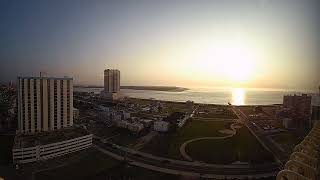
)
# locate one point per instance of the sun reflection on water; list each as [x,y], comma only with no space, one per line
[238,96]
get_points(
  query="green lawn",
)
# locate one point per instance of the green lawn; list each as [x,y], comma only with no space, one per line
[6,143]
[227,115]
[168,145]
[241,147]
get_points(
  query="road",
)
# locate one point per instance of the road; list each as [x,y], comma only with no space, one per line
[280,156]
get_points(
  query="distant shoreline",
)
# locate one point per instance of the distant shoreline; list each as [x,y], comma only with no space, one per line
[206,104]
[146,88]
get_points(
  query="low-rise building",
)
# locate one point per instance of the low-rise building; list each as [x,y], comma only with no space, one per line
[146,122]
[125,115]
[135,127]
[132,126]
[122,124]
[161,126]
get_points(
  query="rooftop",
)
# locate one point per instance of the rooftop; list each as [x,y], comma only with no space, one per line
[45,77]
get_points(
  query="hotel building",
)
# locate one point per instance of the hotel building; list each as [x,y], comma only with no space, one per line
[111,84]
[44,104]
[111,80]
[300,105]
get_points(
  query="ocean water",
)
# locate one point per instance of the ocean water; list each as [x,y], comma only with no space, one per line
[236,96]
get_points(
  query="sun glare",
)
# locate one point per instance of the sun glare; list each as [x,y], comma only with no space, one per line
[238,96]
[234,61]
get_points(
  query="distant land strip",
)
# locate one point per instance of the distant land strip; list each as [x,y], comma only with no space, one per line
[150,88]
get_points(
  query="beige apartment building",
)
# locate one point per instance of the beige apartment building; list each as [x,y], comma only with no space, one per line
[44,104]
[111,80]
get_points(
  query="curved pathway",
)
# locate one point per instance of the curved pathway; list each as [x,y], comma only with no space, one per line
[232,132]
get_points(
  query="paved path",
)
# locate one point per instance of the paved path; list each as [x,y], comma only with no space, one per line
[185,155]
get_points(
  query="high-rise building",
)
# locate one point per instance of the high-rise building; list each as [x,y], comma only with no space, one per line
[44,104]
[315,103]
[111,80]
[300,105]
[111,84]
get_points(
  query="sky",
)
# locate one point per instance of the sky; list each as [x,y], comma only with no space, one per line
[230,43]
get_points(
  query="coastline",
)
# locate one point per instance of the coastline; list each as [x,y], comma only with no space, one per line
[203,104]
[145,88]
[206,96]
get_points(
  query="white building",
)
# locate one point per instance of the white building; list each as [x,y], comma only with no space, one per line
[44,104]
[51,150]
[135,127]
[161,126]
[111,84]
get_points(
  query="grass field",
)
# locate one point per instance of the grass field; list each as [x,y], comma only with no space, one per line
[229,115]
[95,165]
[6,143]
[241,147]
[167,145]
[175,107]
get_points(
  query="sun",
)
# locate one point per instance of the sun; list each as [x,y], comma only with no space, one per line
[236,62]
[232,60]
[238,96]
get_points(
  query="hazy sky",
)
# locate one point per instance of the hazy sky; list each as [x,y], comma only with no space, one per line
[258,43]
